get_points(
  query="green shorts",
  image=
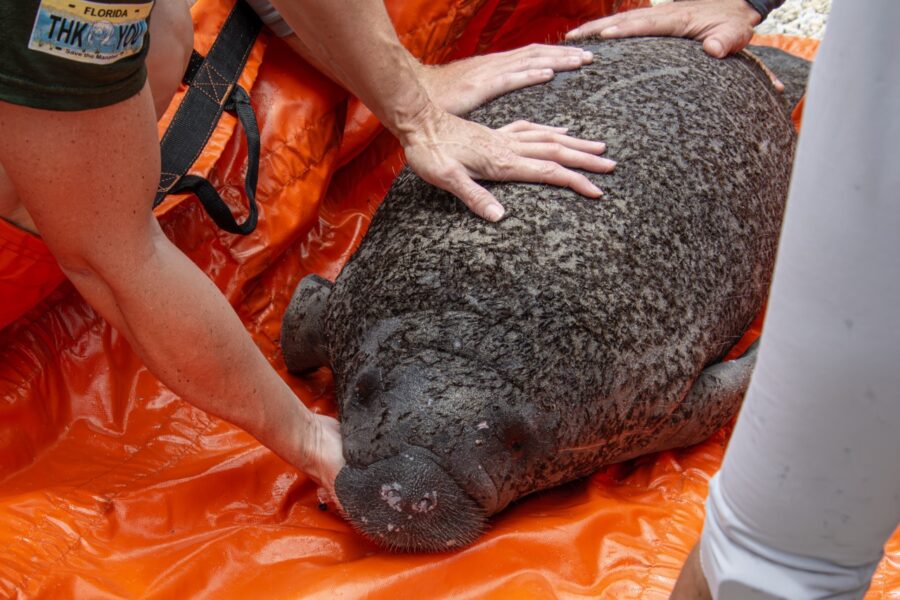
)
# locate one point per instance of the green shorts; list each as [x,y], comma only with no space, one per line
[72,54]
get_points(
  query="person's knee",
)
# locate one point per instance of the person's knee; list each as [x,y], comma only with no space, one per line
[171,42]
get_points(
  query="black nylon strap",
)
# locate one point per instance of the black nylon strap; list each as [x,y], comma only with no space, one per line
[212,89]
[192,68]
[207,194]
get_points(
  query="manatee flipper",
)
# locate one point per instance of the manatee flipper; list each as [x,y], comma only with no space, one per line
[713,400]
[793,72]
[303,340]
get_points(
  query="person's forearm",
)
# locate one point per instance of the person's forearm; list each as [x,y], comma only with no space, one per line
[191,339]
[327,69]
[364,54]
[356,39]
[88,178]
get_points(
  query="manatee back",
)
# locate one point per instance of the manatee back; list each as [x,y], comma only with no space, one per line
[595,314]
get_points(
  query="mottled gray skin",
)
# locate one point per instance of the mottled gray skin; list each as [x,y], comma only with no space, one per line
[476,363]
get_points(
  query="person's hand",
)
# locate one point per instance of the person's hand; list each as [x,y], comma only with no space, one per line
[724,26]
[460,86]
[323,455]
[450,153]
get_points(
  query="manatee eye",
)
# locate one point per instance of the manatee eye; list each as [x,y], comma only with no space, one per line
[516,448]
[514,439]
[367,384]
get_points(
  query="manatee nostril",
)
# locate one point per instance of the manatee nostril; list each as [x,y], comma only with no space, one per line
[426,503]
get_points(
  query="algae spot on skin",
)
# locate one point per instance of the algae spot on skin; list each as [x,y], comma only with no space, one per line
[390,493]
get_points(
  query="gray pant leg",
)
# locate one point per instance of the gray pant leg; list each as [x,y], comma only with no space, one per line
[810,487]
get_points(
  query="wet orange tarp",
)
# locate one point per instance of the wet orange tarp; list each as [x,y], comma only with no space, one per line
[112,487]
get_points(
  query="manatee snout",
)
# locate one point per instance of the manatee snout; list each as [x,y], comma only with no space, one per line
[408,503]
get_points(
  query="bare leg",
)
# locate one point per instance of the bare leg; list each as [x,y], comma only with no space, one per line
[691,584]
[171,42]
[10,208]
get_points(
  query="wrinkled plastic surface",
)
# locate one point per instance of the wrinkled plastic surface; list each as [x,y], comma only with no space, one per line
[28,272]
[113,487]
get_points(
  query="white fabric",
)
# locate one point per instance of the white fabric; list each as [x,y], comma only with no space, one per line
[810,487]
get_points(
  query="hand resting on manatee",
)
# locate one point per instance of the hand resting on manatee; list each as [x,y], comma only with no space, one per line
[476,362]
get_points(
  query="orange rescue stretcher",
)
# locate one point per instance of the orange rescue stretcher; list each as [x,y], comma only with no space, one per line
[112,487]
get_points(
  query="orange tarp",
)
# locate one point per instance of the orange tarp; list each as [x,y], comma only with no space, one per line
[113,487]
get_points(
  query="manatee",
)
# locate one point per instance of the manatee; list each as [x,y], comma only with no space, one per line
[475,363]
[792,71]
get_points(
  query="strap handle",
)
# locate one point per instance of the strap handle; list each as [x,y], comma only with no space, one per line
[212,89]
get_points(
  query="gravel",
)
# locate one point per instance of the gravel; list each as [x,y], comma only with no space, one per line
[803,18]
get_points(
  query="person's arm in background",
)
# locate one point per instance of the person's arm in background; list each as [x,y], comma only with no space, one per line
[87,178]
[357,41]
[724,26]
[463,85]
